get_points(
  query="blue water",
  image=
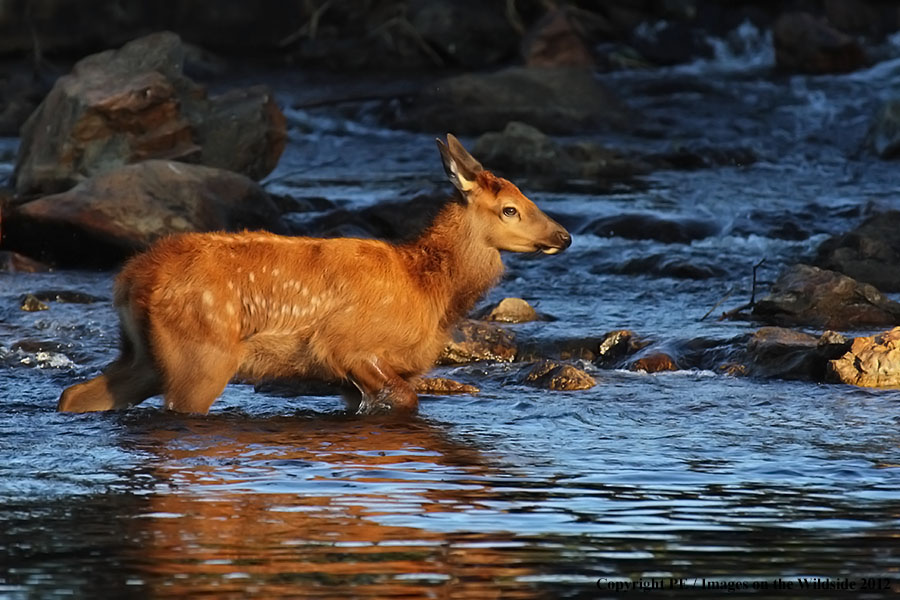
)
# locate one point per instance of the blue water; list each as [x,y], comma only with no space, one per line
[674,483]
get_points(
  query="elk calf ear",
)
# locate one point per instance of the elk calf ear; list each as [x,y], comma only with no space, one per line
[462,169]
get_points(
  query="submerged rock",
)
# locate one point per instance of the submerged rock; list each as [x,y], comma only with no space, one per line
[475,341]
[655,363]
[663,265]
[650,227]
[805,295]
[108,217]
[552,375]
[870,253]
[510,310]
[124,106]
[556,100]
[883,137]
[872,361]
[806,44]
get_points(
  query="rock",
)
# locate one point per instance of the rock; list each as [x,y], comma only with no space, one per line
[440,386]
[124,106]
[67,297]
[670,43]
[883,137]
[551,375]
[805,44]
[31,304]
[650,227]
[702,157]
[396,221]
[474,341]
[555,100]
[615,346]
[805,295]
[789,354]
[655,363]
[870,253]
[110,216]
[557,40]
[13,262]
[872,361]
[449,27]
[662,265]
[510,310]
[863,17]
[522,150]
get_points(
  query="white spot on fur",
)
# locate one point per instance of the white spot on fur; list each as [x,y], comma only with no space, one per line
[252,277]
[275,272]
[230,285]
[229,308]
[207,298]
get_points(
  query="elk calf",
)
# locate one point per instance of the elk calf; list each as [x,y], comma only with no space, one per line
[197,309]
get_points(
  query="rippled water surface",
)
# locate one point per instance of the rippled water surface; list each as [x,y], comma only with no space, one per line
[680,480]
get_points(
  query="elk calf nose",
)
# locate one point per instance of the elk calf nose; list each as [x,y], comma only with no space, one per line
[564,239]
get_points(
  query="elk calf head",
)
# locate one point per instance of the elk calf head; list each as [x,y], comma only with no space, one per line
[505,218]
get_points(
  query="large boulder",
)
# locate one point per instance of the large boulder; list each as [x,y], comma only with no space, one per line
[110,216]
[556,100]
[123,106]
[524,151]
[870,253]
[806,44]
[448,27]
[805,295]
[557,40]
[872,361]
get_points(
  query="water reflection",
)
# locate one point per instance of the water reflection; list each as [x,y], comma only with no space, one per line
[278,505]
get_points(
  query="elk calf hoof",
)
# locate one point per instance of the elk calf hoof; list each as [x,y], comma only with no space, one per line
[389,400]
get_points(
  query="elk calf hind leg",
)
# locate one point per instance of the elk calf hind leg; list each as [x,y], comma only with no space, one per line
[122,385]
[382,390]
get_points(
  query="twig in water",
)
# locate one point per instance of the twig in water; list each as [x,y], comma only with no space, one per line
[735,311]
[718,304]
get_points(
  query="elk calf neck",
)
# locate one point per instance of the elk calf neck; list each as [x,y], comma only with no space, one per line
[198,309]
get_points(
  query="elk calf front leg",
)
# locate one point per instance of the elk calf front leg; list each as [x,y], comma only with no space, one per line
[382,389]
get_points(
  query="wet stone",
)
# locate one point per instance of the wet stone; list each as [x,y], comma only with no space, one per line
[67,297]
[473,341]
[551,375]
[29,303]
[441,386]
[510,310]
[870,253]
[656,362]
[805,295]
[872,361]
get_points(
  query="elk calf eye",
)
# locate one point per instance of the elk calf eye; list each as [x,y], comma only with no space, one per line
[510,211]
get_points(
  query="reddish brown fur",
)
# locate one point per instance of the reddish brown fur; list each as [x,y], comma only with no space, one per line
[198,309]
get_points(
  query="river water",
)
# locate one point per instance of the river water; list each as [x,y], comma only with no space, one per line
[672,483]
